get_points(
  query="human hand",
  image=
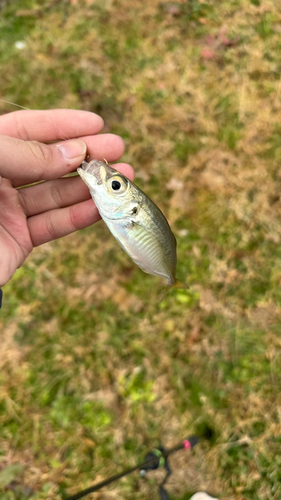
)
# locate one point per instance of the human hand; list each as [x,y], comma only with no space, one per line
[43,212]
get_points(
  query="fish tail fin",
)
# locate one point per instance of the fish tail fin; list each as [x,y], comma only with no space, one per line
[177,285]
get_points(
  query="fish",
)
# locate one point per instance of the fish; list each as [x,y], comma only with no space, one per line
[135,221]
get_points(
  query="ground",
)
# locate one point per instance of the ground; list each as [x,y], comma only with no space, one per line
[94,369]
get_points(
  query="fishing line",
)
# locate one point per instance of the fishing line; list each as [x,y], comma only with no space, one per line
[14,104]
[153,460]
[64,137]
[62,133]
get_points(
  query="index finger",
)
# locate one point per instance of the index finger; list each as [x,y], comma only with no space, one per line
[50,125]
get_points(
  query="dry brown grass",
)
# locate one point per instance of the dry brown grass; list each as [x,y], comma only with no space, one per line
[196,93]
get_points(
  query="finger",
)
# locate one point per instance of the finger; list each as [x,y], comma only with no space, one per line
[60,222]
[50,195]
[25,162]
[50,125]
[59,193]
[108,146]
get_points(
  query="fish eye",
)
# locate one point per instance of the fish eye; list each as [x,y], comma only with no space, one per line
[118,184]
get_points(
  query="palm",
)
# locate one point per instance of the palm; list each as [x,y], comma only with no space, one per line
[43,211]
[15,240]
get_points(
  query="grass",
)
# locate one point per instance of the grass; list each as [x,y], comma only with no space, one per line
[94,371]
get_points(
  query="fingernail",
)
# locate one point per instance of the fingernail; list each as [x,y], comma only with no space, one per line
[72,149]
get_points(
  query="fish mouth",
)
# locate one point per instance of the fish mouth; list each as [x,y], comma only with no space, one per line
[90,173]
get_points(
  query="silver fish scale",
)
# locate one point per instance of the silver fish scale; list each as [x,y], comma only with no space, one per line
[134,220]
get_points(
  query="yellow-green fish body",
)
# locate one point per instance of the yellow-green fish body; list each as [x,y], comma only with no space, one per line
[134,220]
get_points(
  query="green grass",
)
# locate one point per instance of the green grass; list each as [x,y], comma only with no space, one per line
[94,369]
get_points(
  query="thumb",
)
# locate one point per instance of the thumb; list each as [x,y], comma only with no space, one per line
[24,162]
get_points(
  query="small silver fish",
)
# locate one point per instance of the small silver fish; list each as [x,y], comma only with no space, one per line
[133,219]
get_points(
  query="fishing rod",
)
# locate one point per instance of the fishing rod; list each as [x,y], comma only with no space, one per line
[153,460]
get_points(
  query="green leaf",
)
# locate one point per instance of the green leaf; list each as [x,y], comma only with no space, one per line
[8,474]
